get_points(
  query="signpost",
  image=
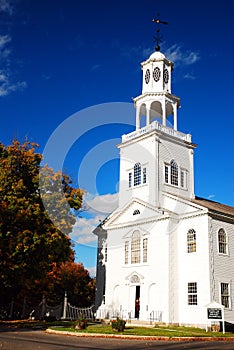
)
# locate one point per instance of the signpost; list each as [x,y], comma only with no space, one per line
[215,312]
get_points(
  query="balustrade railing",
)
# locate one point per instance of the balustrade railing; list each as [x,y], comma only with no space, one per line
[157,126]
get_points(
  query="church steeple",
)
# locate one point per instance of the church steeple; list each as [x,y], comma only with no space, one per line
[156,100]
[156,158]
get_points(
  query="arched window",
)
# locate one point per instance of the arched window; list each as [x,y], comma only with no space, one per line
[191,241]
[136,248]
[174,173]
[137,174]
[222,239]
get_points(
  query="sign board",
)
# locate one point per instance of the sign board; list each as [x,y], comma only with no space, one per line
[214,314]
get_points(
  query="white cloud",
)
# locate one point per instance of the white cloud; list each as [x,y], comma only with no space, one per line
[189,76]
[92,271]
[96,210]
[6,6]
[83,230]
[177,55]
[211,196]
[4,39]
[7,84]
[103,204]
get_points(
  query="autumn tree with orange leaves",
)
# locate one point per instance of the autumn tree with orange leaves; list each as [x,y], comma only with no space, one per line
[31,243]
[75,280]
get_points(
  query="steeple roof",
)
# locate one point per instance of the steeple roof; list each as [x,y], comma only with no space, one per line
[157,55]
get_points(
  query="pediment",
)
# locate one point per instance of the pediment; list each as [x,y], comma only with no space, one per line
[134,211]
[134,277]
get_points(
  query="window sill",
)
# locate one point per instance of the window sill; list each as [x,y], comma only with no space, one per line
[138,186]
[223,254]
[136,265]
[174,186]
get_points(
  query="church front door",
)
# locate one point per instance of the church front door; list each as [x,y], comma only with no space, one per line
[137,302]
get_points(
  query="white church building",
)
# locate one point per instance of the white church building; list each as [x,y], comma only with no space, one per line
[164,254]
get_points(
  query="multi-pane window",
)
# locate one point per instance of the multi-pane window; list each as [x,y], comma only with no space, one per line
[136,248]
[225,294]
[191,241]
[137,174]
[145,249]
[222,239]
[182,178]
[192,293]
[174,173]
[129,180]
[126,252]
[166,174]
[144,175]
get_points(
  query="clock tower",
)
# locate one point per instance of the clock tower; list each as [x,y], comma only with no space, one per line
[156,158]
[156,100]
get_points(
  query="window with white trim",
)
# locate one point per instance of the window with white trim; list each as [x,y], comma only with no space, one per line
[129,180]
[136,248]
[174,175]
[222,241]
[191,241]
[225,294]
[137,176]
[145,249]
[182,178]
[144,175]
[126,252]
[166,169]
[192,293]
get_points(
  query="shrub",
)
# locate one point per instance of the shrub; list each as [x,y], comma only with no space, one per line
[81,323]
[118,324]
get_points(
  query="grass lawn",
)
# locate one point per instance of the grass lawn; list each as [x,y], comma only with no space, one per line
[69,326]
[164,331]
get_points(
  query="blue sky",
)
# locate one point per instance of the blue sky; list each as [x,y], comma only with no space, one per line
[60,57]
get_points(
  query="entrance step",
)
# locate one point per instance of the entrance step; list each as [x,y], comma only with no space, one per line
[141,323]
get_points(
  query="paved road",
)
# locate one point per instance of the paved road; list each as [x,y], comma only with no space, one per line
[39,340]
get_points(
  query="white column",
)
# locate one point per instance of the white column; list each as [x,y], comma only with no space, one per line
[138,117]
[164,112]
[175,115]
[147,114]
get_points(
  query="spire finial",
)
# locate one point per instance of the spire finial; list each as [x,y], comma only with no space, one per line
[158,37]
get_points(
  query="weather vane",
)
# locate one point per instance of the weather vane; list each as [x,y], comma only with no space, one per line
[158,37]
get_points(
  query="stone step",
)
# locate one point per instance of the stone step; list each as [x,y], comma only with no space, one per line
[142,323]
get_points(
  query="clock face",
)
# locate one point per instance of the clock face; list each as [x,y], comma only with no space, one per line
[156,74]
[147,76]
[165,75]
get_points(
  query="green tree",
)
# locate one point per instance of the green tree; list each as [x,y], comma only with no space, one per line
[30,242]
